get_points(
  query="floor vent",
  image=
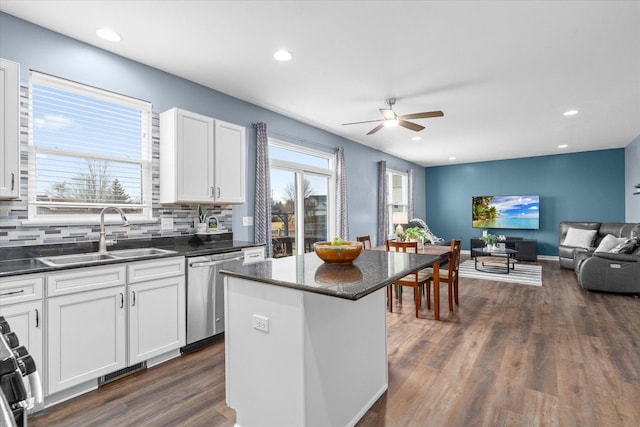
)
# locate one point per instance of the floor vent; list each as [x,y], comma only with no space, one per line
[121,373]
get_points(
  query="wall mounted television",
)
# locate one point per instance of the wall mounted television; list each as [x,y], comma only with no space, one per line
[511,212]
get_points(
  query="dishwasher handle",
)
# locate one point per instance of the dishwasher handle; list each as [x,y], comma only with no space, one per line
[212,263]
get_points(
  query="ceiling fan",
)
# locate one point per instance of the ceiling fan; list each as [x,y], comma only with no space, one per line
[390,118]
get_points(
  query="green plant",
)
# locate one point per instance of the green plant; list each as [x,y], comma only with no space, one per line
[202,215]
[490,239]
[415,232]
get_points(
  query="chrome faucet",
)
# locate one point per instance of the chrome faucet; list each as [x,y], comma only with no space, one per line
[102,244]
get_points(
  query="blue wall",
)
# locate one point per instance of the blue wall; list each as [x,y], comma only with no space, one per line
[34,47]
[586,186]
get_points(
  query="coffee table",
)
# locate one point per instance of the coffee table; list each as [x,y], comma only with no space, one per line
[494,256]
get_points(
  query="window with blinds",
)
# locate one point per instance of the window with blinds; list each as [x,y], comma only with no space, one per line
[89,148]
[397,199]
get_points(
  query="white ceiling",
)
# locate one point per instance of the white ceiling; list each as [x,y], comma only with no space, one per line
[502,72]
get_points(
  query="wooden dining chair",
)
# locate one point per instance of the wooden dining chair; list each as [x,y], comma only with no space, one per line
[448,275]
[416,280]
[365,240]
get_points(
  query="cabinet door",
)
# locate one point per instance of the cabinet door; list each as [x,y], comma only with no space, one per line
[157,317]
[186,157]
[26,321]
[86,336]
[230,162]
[9,130]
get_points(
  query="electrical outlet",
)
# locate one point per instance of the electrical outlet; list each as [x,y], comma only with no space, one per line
[261,323]
[166,223]
[247,221]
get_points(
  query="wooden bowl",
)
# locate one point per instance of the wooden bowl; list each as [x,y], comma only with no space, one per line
[343,254]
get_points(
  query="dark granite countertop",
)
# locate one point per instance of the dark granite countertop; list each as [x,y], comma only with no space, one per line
[371,271]
[23,259]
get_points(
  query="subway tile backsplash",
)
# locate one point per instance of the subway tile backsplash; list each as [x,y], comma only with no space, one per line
[13,212]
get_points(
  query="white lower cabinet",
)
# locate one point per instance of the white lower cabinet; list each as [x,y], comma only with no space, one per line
[156,318]
[103,319]
[86,336]
[21,306]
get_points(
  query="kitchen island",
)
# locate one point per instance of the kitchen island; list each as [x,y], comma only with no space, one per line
[305,341]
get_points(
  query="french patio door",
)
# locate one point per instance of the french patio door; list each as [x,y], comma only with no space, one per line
[299,210]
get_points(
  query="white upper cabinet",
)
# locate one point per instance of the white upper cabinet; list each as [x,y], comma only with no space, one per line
[202,160]
[9,130]
[230,146]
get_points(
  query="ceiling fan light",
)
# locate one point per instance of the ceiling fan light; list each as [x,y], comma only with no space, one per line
[391,123]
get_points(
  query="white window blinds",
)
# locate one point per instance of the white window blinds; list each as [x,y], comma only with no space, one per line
[91,148]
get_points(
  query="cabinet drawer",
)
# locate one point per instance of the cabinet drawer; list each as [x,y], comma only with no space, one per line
[155,269]
[85,279]
[20,289]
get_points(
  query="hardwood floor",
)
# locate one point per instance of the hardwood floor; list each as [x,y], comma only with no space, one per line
[509,355]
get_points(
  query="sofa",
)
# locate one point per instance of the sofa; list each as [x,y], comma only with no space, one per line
[604,255]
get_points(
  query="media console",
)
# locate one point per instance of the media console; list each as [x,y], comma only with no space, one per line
[527,249]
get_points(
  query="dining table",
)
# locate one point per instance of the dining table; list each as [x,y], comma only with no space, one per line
[444,252]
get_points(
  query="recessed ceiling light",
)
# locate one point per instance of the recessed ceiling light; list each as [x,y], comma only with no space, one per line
[563,146]
[415,138]
[570,113]
[108,34]
[452,158]
[282,55]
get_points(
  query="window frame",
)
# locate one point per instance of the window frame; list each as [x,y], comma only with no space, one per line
[300,170]
[390,202]
[145,161]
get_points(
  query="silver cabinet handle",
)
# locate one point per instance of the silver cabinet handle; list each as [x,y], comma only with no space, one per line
[133,295]
[12,293]
[37,318]
[212,192]
[218,196]
[121,300]
[13,181]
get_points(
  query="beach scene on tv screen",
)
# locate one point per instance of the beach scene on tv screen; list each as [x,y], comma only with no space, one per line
[506,212]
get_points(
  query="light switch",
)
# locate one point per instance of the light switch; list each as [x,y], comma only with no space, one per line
[247,221]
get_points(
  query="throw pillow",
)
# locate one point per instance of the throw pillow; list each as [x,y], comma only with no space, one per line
[578,237]
[625,247]
[609,242]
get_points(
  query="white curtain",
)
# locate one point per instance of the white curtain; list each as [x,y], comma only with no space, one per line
[342,218]
[262,214]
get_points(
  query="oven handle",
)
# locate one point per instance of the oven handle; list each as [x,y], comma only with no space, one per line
[212,263]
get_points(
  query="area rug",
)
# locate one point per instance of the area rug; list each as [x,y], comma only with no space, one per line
[524,274]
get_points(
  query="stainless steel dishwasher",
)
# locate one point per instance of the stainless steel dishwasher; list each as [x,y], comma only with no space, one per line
[205,293]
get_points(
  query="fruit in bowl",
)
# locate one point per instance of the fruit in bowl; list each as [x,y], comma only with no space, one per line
[338,251]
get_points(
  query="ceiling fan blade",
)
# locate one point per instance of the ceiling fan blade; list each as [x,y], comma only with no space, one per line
[357,123]
[388,113]
[409,125]
[376,129]
[424,115]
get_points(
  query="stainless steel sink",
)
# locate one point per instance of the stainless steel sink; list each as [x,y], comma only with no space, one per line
[61,260]
[65,260]
[135,253]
